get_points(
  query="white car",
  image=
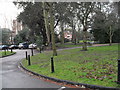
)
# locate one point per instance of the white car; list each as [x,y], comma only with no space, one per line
[23,45]
[33,45]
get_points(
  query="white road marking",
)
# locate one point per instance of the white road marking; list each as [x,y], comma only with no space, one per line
[61,88]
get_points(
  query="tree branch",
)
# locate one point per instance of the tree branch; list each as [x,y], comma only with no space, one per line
[57,23]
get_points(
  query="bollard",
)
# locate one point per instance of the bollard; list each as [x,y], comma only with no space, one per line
[5,51]
[52,65]
[11,50]
[32,51]
[26,55]
[29,63]
[118,81]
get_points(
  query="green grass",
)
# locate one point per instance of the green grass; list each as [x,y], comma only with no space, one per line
[70,44]
[81,41]
[2,53]
[67,46]
[97,66]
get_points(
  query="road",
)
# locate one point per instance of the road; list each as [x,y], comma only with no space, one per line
[13,77]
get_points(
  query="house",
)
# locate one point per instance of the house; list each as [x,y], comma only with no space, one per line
[68,35]
[16,27]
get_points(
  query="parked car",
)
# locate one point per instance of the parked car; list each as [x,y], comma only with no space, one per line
[33,45]
[13,47]
[3,47]
[91,43]
[23,46]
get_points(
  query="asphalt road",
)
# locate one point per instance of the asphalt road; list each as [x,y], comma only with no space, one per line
[13,77]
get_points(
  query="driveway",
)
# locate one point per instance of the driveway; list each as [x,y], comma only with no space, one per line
[13,77]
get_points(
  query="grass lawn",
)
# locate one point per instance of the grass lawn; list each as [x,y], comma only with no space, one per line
[2,53]
[68,45]
[97,66]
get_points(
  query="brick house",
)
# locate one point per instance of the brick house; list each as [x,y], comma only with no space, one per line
[68,35]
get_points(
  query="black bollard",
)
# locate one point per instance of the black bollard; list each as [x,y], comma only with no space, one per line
[52,65]
[11,50]
[118,71]
[26,55]
[29,63]
[32,51]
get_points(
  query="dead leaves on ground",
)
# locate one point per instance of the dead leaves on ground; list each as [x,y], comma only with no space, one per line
[99,72]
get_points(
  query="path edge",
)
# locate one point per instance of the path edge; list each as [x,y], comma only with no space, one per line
[68,82]
[8,55]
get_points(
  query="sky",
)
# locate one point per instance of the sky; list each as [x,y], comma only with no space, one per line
[8,12]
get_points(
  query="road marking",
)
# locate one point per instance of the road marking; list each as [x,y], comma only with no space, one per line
[61,88]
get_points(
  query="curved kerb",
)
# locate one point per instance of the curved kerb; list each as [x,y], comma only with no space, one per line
[7,55]
[69,82]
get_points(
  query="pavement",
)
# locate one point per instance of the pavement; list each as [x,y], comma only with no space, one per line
[13,77]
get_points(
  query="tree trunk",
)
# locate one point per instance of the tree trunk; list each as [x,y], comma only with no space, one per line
[52,31]
[84,39]
[62,33]
[73,35]
[75,39]
[45,13]
[110,37]
[78,36]
[110,41]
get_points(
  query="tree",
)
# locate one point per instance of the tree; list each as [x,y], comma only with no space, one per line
[72,19]
[52,28]
[98,27]
[44,17]
[22,36]
[36,23]
[111,26]
[52,16]
[105,24]
[62,17]
[5,35]
[84,15]
[46,20]
[39,42]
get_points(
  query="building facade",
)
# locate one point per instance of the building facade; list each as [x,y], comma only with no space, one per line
[16,27]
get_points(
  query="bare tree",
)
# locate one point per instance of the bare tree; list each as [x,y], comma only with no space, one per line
[111,26]
[85,10]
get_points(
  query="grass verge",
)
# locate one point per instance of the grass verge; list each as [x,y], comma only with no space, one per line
[97,66]
[7,53]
